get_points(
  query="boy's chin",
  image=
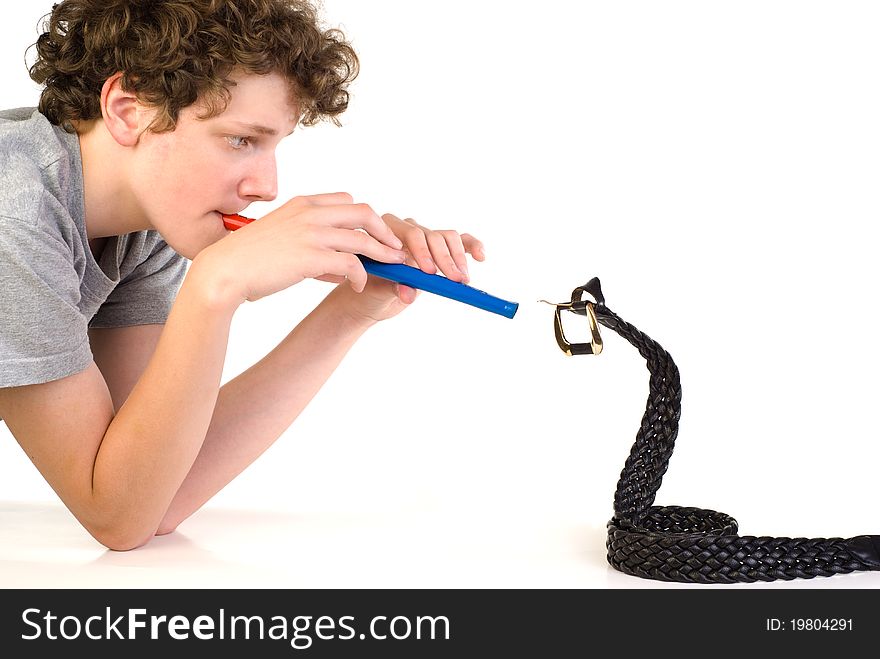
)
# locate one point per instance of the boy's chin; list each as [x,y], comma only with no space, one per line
[190,249]
[209,229]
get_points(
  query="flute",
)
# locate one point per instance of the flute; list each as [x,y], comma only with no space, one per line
[409,276]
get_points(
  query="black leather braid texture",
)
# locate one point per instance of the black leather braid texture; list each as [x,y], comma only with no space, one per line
[682,544]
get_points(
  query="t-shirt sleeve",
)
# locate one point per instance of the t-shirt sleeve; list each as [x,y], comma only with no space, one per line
[145,296]
[43,335]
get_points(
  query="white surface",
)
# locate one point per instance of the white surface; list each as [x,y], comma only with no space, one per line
[415,548]
[715,164]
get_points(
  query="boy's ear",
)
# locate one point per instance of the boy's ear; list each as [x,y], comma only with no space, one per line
[121,111]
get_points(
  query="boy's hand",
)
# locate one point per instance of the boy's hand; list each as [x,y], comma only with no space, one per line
[316,236]
[434,252]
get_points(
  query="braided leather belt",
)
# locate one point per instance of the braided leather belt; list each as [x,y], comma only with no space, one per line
[675,543]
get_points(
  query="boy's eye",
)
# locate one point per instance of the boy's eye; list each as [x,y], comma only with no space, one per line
[237,141]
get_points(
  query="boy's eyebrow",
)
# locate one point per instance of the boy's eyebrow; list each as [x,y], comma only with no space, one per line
[257,128]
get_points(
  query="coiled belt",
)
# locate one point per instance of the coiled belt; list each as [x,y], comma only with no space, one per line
[676,543]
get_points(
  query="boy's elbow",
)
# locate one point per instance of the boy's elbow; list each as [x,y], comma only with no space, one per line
[126,541]
[118,540]
[166,529]
[121,536]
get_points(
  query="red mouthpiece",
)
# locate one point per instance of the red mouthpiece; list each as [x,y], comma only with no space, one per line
[233,222]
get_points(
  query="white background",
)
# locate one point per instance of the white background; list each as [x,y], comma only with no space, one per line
[716,164]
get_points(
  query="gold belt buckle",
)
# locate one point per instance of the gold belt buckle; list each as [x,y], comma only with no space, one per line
[579,306]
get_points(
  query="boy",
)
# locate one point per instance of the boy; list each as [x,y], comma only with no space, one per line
[156,118]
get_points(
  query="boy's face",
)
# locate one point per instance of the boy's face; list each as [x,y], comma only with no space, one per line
[185,178]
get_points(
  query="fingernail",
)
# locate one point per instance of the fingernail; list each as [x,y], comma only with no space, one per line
[397,244]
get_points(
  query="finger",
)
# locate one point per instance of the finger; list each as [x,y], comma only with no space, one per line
[336,267]
[358,216]
[360,242]
[473,247]
[417,245]
[353,270]
[329,198]
[457,251]
[391,219]
[406,294]
[440,253]
[332,279]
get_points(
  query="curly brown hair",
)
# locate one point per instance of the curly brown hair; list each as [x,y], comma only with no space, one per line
[173,53]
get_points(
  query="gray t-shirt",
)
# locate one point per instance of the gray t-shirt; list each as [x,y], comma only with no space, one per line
[52,289]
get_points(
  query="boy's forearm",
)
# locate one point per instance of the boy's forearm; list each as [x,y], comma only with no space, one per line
[156,435]
[256,407]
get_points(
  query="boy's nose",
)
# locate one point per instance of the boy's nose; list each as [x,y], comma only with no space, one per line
[261,182]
